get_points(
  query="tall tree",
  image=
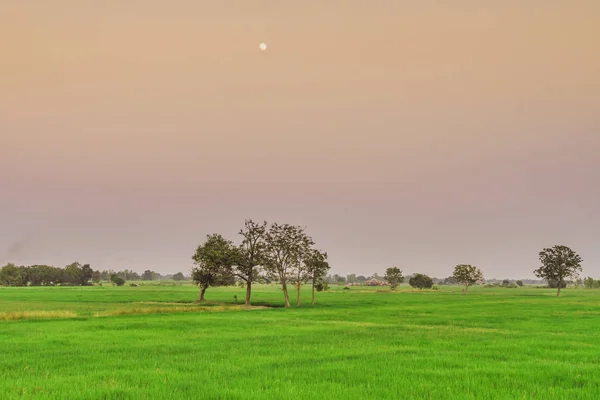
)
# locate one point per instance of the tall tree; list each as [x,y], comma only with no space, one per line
[467,275]
[558,264]
[284,245]
[147,275]
[300,274]
[316,269]
[214,260]
[251,254]
[86,274]
[394,277]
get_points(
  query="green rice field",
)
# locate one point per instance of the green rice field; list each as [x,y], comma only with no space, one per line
[155,342]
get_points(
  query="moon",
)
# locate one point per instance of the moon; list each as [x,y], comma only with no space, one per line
[262,46]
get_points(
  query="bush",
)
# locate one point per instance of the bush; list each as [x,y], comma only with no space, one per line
[520,283]
[321,286]
[346,288]
[117,280]
[420,281]
[512,286]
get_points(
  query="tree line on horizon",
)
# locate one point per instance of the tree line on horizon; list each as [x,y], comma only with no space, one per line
[285,254]
[74,274]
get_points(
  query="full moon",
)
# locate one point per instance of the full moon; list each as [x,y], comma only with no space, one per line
[262,46]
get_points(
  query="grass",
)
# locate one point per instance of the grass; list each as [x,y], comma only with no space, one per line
[155,342]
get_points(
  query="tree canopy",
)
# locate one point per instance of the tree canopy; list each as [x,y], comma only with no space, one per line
[394,277]
[213,263]
[467,275]
[421,281]
[559,263]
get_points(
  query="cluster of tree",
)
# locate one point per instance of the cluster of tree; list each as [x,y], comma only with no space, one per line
[73,274]
[591,283]
[267,252]
[129,275]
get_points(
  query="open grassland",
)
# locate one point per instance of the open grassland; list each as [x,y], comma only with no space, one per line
[154,342]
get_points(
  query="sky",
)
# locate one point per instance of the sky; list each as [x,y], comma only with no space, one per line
[400,133]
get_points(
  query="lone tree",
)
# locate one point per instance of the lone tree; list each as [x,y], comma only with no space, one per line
[316,269]
[420,281]
[214,260]
[467,275]
[394,277]
[558,264]
[251,254]
[285,246]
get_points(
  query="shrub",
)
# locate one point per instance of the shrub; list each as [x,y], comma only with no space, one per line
[117,280]
[420,281]
[346,288]
[321,286]
[520,283]
[512,285]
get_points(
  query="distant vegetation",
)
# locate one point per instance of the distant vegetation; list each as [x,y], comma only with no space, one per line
[286,254]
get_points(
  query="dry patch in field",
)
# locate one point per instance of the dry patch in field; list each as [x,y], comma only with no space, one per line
[175,309]
[19,315]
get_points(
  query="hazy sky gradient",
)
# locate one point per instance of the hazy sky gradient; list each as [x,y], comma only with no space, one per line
[417,134]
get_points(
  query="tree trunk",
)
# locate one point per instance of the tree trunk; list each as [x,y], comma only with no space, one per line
[298,295]
[285,295]
[248,291]
[201,297]
[558,292]
[466,288]
[313,293]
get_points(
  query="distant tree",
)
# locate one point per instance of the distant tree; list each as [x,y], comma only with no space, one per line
[559,263]
[376,276]
[351,278]
[73,274]
[179,277]
[251,255]
[11,275]
[394,277]
[316,268]
[117,280]
[520,283]
[450,281]
[339,279]
[420,281]
[96,276]
[213,263]
[553,284]
[147,275]
[285,245]
[86,274]
[505,282]
[467,275]
[588,282]
[361,279]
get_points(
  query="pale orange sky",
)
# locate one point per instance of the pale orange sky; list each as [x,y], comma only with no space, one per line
[417,134]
